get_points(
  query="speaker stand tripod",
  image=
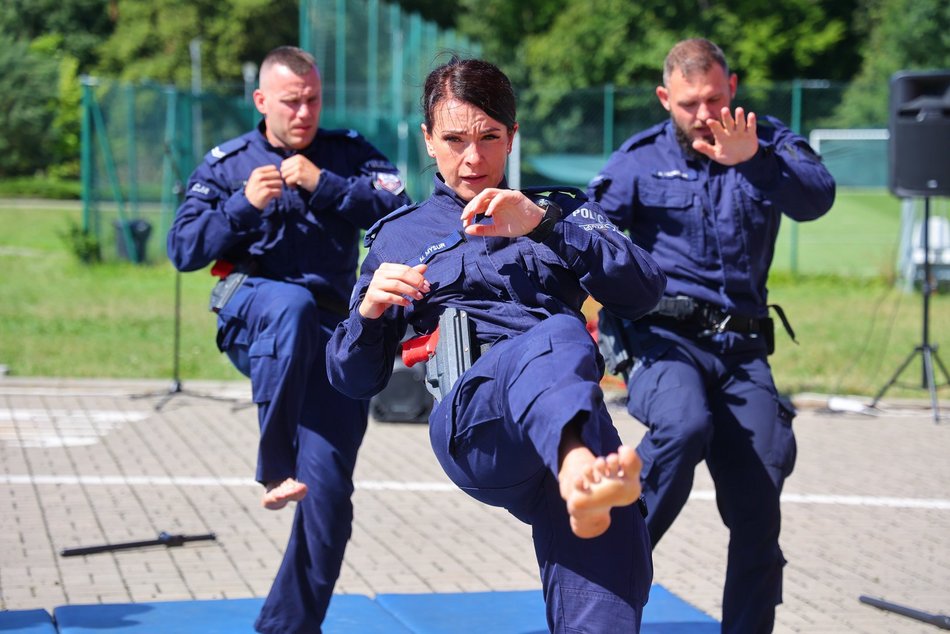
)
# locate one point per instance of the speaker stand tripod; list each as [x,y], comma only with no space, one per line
[927,351]
[176,388]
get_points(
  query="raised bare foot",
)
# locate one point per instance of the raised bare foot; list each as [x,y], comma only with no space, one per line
[592,485]
[278,494]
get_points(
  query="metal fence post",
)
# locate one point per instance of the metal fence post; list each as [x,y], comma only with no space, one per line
[797,129]
[86,166]
[608,119]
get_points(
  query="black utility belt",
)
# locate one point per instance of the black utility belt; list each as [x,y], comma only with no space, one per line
[712,324]
[709,319]
[704,316]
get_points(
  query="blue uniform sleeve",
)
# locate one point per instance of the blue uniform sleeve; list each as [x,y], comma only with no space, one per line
[373,191]
[789,173]
[612,189]
[620,275]
[214,217]
[361,352]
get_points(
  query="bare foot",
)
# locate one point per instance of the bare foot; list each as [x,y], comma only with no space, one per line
[278,494]
[592,485]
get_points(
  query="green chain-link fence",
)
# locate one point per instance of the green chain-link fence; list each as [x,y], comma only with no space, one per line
[139,145]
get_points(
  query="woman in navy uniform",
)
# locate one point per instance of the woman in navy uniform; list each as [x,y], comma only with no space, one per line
[283,205]
[525,427]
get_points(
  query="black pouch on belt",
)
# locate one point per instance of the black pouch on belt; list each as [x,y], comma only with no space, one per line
[223,291]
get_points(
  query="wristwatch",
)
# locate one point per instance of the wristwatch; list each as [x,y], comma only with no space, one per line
[552,214]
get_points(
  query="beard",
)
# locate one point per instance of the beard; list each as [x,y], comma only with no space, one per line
[686,142]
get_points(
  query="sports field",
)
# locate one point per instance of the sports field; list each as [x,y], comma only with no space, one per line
[860,236]
[61,318]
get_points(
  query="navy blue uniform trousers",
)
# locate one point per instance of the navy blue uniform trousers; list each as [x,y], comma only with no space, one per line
[496,435]
[713,399]
[275,333]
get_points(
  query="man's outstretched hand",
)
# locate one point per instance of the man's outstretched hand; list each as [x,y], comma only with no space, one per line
[735,138]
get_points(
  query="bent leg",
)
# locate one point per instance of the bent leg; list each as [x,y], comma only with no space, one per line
[273,335]
[329,436]
[750,456]
[499,435]
[669,397]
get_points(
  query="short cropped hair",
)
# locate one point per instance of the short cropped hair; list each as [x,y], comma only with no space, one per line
[473,81]
[299,61]
[693,55]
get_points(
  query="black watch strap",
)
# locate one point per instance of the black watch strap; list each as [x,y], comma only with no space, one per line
[552,214]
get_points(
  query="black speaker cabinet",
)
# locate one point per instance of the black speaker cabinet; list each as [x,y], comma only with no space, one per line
[919,146]
[405,398]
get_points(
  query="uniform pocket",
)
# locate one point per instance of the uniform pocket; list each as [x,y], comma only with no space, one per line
[666,210]
[265,370]
[784,447]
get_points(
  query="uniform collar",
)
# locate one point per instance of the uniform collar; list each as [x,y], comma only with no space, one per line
[445,196]
[284,152]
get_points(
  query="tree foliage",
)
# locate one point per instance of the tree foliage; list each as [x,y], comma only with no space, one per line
[44,45]
[551,46]
[152,39]
[27,108]
[578,43]
[81,24]
[902,35]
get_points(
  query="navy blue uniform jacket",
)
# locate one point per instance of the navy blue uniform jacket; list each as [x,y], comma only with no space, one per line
[710,227]
[507,285]
[310,239]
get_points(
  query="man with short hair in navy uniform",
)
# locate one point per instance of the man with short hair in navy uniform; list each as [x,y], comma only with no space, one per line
[280,208]
[703,193]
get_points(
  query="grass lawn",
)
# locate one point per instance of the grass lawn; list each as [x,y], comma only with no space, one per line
[65,319]
[860,237]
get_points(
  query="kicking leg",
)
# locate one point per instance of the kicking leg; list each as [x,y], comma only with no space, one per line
[592,485]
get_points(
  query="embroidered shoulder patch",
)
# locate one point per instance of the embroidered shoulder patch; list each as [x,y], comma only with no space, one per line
[389,182]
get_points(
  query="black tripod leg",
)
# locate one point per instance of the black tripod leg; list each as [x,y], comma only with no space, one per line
[929,379]
[893,379]
[943,368]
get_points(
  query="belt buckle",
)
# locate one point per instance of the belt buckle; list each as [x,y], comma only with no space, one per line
[714,327]
[721,326]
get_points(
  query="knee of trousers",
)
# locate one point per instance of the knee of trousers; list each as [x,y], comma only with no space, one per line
[686,434]
[296,322]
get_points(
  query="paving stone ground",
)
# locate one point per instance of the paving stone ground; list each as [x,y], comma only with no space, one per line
[866,512]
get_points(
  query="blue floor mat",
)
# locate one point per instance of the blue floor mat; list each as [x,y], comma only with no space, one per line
[26,622]
[515,612]
[348,613]
[518,612]
[522,612]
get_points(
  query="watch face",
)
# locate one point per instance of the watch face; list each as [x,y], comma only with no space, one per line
[552,213]
[551,209]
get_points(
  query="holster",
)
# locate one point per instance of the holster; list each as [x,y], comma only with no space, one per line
[224,290]
[455,352]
